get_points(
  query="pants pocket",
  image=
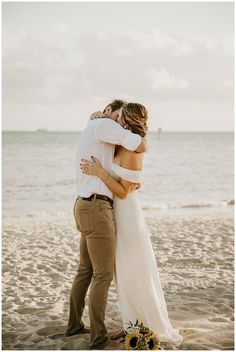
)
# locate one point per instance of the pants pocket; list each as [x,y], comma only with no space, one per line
[85,218]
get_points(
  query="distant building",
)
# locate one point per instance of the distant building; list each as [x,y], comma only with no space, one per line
[41,130]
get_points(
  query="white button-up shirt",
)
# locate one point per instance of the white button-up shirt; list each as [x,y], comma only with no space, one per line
[99,139]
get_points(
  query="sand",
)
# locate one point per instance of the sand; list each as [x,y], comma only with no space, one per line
[195,260]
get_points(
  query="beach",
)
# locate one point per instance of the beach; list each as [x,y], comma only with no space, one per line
[194,254]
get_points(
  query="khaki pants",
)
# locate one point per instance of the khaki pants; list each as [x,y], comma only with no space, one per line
[97,261]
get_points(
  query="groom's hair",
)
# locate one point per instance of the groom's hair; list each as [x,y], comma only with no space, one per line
[115,105]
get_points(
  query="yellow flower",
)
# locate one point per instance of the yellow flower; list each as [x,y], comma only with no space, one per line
[153,342]
[131,340]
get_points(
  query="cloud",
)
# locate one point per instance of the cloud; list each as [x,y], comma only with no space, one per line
[180,44]
[228,45]
[43,65]
[56,64]
[154,40]
[210,43]
[163,80]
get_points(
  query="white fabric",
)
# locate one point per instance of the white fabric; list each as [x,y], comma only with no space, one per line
[137,279]
[129,175]
[99,139]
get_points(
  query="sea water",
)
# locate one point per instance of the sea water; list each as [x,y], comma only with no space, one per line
[183,171]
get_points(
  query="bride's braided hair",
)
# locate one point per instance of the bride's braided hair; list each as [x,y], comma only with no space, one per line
[135,118]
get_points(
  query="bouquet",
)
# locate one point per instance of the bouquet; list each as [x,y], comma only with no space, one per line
[139,337]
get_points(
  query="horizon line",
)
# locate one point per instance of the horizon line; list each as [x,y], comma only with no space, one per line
[152,131]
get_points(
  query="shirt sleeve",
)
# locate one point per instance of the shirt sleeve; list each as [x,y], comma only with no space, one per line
[109,131]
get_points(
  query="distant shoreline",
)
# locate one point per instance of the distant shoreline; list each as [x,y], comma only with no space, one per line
[69,131]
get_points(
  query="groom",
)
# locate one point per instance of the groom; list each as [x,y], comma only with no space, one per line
[93,211]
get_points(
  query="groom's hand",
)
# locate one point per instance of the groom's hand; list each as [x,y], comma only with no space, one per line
[96,115]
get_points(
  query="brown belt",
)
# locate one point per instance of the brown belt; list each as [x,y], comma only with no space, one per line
[99,196]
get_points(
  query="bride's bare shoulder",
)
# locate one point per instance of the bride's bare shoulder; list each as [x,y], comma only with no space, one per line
[131,160]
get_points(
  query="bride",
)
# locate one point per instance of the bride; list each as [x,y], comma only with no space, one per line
[137,278]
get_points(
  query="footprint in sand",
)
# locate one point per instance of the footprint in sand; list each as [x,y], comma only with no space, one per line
[32,310]
[52,331]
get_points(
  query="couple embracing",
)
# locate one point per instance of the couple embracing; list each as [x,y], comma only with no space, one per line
[114,241]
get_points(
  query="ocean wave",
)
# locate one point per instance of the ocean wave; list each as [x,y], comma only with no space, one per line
[210,204]
[68,212]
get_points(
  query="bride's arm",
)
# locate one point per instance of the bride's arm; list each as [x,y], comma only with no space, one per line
[94,168]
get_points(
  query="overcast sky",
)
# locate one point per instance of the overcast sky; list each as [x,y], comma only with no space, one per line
[62,61]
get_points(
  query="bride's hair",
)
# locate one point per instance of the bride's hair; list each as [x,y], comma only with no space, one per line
[135,117]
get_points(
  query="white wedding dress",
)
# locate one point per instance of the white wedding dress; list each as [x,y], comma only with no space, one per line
[137,278]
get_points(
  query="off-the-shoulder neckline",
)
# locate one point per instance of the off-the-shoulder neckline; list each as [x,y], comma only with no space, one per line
[121,167]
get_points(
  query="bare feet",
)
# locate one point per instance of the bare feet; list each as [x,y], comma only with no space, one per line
[118,334]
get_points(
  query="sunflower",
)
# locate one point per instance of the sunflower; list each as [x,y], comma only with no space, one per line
[153,342]
[131,340]
[142,343]
[139,337]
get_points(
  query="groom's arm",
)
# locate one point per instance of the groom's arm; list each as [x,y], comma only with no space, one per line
[109,131]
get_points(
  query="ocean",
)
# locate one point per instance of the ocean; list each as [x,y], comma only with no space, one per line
[183,171]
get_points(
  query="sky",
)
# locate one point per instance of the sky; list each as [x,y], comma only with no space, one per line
[64,60]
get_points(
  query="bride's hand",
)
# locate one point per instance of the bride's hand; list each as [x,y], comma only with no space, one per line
[92,168]
[135,187]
